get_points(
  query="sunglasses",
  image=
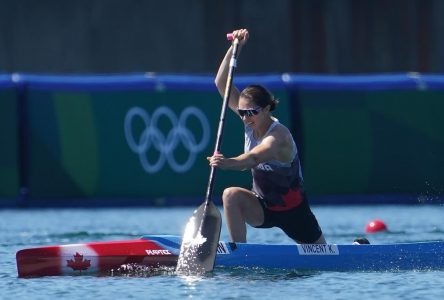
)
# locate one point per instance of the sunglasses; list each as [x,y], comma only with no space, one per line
[249,112]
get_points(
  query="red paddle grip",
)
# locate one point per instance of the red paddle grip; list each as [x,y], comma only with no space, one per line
[230,36]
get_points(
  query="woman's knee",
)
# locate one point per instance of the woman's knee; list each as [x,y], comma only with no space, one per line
[231,195]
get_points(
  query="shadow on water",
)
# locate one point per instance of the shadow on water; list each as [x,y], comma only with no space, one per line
[257,274]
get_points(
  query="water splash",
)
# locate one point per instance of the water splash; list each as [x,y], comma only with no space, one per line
[191,244]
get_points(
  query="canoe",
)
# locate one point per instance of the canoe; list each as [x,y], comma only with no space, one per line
[154,251]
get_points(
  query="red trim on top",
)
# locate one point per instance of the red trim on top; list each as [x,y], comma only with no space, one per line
[292,199]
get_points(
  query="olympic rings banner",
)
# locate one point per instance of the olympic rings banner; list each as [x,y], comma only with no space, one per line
[143,139]
[135,140]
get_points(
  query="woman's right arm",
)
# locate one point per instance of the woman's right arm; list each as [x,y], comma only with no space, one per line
[222,73]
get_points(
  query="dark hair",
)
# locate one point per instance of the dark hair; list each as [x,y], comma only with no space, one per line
[260,96]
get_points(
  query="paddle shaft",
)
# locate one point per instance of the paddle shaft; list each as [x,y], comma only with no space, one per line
[210,186]
[199,243]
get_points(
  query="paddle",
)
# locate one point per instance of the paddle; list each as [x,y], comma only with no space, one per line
[202,232]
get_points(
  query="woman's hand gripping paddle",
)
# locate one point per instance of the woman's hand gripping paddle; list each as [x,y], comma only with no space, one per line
[202,232]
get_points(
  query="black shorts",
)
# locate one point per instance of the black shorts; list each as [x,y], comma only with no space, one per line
[298,223]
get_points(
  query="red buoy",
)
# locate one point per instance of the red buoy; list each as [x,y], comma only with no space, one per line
[375,226]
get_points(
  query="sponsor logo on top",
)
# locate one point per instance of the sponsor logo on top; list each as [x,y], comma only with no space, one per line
[264,167]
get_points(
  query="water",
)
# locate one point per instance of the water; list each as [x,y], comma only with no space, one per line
[341,224]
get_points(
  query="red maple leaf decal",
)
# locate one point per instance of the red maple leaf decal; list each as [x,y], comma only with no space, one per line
[79,264]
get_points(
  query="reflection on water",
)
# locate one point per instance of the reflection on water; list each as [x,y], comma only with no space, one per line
[232,273]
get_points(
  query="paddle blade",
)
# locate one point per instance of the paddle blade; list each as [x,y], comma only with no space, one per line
[199,242]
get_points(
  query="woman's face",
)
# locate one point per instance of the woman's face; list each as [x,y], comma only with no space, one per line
[251,114]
